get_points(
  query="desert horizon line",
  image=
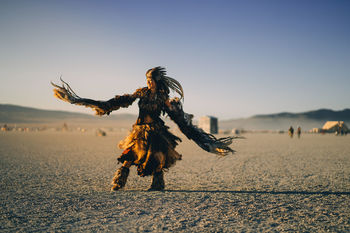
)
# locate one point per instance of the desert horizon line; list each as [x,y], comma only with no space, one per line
[221,119]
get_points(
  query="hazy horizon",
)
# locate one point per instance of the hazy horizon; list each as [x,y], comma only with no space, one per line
[196,118]
[234,59]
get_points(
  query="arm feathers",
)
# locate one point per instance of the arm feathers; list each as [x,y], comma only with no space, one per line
[65,93]
[206,141]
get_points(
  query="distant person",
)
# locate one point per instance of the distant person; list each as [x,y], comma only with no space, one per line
[150,146]
[299,131]
[291,131]
[338,131]
[65,127]
[4,128]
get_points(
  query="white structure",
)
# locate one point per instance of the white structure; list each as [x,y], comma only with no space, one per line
[209,124]
[315,130]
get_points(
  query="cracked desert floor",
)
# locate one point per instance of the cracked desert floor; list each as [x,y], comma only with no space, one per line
[60,181]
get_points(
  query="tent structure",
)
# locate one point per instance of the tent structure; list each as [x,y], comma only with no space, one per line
[335,126]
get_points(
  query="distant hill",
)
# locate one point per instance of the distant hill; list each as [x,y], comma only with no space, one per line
[18,114]
[13,114]
[282,121]
[321,114]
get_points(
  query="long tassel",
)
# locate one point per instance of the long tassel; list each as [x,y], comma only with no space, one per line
[65,92]
[206,141]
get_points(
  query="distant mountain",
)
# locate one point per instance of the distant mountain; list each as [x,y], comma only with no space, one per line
[321,114]
[18,114]
[282,121]
[12,114]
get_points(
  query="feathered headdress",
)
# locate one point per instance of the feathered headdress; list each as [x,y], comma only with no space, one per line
[158,74]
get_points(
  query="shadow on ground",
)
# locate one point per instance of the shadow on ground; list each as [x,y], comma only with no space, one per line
[253,192]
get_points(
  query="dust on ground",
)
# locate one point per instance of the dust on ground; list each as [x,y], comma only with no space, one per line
[60,181]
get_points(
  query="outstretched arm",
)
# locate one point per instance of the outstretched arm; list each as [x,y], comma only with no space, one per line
[206,141]
[66,93]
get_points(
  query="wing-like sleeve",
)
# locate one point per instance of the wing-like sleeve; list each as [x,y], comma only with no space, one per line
[66,93]
[207,142]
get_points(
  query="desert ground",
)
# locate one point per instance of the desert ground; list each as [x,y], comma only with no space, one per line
[60,181]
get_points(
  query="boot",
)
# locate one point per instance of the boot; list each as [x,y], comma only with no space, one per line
[157,182]
[120,177]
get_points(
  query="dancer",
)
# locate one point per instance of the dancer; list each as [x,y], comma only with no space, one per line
[150,146]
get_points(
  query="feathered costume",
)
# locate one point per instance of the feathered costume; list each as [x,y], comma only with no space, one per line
[150,146]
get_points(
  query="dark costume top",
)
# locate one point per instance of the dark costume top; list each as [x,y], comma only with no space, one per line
[150,146]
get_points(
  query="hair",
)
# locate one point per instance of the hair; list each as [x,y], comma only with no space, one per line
[163,82]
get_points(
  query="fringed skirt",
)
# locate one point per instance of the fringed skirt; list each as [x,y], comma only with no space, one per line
[151,147]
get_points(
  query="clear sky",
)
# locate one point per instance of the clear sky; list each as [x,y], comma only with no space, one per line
[233,58]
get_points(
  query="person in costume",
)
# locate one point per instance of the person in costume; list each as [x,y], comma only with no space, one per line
[150,146]
[291,131]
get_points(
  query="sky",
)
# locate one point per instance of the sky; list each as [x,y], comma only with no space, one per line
[233,58]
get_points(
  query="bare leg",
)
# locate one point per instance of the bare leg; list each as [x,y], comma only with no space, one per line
[157,182]
[121,176]
[127,164]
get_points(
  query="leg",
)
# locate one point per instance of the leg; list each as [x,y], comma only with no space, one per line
[121,176]
[157,182]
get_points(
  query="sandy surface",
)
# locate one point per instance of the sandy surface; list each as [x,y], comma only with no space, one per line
[59,181]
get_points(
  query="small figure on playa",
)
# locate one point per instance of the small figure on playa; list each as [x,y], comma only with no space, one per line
[299,131]
[150,146]
[291,131]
